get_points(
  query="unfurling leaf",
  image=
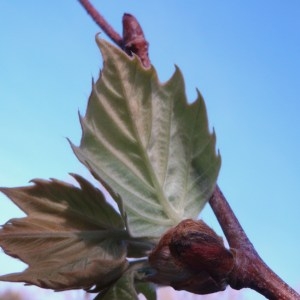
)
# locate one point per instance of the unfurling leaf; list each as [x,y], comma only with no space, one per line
[71,237]
[148,144]
[128,287]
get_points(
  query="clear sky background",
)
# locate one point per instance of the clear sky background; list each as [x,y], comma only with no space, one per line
[242,55]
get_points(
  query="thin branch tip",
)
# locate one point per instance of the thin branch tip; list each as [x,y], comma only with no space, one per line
[101,22]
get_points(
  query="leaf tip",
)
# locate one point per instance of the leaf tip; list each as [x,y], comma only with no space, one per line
[4,190]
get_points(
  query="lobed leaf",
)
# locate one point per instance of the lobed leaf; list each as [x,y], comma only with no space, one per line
[148,144]
[71,238]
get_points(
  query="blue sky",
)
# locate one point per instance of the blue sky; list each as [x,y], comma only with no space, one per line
[243,57]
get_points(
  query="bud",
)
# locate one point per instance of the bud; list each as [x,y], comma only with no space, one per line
[191,257]
[168,268]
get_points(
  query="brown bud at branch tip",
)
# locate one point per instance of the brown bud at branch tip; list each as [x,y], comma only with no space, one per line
[134,40]
[192,257]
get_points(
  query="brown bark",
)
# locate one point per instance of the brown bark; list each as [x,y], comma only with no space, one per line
[249,269]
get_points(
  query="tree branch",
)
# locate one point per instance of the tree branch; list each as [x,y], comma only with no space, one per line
[231,227]
[249,269]
[102,23]
[133,40]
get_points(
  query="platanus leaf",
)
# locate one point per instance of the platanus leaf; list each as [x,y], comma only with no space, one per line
[72,238]
[123,289]
[128,287]
[148,144]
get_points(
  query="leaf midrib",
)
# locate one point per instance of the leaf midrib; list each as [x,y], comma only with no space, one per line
[91,234]
[168,209]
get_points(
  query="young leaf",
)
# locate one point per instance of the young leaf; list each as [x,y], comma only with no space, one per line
[148,144]
[71,238]
[148,289]
[123,289]
[128,287]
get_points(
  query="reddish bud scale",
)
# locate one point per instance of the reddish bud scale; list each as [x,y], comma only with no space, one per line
[134,40]
[191,257]
[199,247]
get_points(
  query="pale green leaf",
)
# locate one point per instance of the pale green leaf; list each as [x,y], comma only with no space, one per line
[148,289]
[129,286]
[123,289]
[148,144]
[71,238]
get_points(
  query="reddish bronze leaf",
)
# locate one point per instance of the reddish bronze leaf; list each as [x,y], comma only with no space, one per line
[71,238]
